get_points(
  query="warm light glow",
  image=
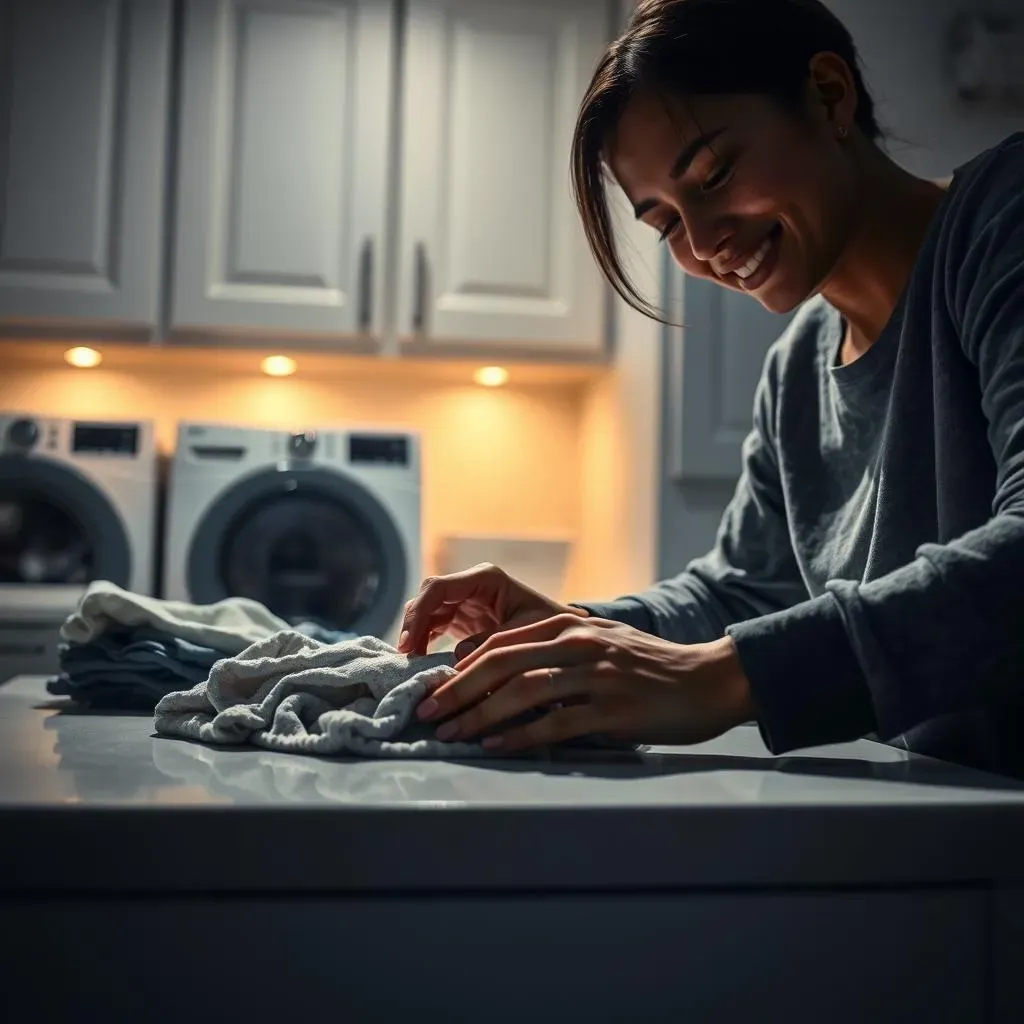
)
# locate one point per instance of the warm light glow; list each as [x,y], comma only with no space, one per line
[278,366]
[491,376]
[83,357]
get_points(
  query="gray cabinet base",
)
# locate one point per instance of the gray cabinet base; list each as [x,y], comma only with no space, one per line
[875,957]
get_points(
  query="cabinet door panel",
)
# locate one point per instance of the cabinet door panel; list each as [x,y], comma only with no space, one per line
[283,157]
[799,958]
[83,109]
[491,246]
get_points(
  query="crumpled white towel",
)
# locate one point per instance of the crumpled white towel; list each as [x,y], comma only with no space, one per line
[295,694]
[229,626]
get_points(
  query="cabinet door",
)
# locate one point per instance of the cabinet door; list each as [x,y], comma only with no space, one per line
[491,247]
[714,364]
[1007,945]
[860,957]
[283,149]
[83,121]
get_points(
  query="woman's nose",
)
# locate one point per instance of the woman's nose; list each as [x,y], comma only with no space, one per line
[707,236]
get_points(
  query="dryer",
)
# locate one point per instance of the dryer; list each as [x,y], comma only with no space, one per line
[77,503]
[319,525]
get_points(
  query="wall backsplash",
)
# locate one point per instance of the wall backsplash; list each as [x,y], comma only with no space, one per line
[504,462]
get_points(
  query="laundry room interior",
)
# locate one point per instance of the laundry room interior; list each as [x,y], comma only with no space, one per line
[536,483]
[284,219]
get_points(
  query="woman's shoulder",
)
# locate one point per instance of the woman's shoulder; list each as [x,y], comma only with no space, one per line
[1006,157]
[980,246]
[988,187]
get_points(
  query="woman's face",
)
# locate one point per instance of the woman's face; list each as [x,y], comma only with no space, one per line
[744,193]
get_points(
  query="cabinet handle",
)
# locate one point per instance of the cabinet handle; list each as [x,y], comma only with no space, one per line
[366,286]
[419,310]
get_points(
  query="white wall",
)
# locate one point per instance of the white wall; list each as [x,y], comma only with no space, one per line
[620,461]
[902,43]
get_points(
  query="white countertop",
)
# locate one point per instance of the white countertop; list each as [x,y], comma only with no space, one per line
[73,785]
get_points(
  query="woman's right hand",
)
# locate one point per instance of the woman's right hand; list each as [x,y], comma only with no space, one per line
[471,606]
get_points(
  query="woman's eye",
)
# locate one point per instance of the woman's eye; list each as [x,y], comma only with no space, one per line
[668,229]
[719,177]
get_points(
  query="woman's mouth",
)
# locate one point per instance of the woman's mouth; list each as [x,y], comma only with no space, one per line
[759,267]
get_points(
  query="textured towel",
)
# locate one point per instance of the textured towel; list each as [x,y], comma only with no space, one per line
[229,626]
[292,693]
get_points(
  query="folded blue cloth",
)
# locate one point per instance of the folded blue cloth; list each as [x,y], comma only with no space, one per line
[140,694]
[135,667]
[139,650]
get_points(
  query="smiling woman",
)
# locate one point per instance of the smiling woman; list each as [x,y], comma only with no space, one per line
[867,572]
[709,115]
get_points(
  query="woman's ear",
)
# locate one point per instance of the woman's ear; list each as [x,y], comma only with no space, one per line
[833,92]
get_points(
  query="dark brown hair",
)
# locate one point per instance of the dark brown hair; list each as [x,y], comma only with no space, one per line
[698,48]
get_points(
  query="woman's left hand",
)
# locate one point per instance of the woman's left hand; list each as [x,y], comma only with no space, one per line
[596,676]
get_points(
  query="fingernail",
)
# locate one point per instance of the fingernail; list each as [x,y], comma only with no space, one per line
[403,639]
[427,709]
[447,731]
[493,742]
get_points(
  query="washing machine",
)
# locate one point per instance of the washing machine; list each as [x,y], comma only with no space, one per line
[78,503]
[320,526]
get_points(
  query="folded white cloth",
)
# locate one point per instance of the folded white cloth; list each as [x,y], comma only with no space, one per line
[292,693]
[229,626]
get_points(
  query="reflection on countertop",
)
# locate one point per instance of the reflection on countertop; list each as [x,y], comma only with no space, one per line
[54,753]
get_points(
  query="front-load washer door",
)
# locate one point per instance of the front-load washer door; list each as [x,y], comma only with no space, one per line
[310,544]
[57,529]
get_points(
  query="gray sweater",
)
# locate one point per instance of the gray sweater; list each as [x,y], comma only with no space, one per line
[870,566]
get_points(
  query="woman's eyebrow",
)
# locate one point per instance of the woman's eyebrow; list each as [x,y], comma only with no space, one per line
[681,164]
[689,152]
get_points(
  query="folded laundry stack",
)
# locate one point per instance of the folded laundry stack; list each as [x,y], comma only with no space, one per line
[233,673]
[131,668]
[125,650]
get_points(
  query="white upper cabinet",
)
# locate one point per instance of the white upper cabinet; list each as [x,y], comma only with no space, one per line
[311,189]
[83,122]
[490,246]
[283,150]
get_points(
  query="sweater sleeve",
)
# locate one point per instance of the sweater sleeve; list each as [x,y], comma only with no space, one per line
[945,632]
[751,571]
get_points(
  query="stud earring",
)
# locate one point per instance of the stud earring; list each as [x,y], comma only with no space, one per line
[842,131]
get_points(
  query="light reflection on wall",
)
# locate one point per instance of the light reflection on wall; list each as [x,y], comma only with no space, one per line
[498,461]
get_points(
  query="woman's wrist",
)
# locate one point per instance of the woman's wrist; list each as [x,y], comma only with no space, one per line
[722,661]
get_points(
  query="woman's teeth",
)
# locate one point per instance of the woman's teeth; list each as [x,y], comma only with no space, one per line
[755,261]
